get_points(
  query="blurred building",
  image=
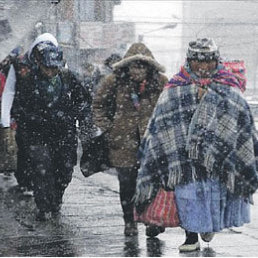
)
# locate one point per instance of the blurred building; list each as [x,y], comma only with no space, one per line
[17,22]
[5,28]
[233,25]
[84,28]
[86,31]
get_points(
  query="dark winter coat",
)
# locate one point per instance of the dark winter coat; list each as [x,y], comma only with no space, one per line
[44,120]
[114,111]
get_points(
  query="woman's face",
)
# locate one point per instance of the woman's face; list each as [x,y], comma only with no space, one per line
[203,69]
[138,71]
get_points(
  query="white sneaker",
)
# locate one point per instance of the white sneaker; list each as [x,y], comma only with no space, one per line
[189,247]
[207,237]
[26,192]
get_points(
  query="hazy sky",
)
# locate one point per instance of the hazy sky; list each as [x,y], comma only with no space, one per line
[153,15]
[147,10]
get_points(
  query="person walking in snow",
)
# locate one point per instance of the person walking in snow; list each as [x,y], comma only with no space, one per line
[48,100]
[18,73]
[8,148]
[201,143]
[6,63]
[121,108]
[108,62]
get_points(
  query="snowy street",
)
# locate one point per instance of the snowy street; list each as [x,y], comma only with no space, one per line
[91,224]
[164,92]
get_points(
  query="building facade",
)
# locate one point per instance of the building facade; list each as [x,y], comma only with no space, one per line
[86,31]
[84,28]
[18,20]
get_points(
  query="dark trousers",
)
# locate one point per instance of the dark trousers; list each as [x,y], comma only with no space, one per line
[52,172]
[23,173]
[127,183]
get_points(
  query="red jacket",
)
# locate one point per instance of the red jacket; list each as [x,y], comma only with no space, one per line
[2,83]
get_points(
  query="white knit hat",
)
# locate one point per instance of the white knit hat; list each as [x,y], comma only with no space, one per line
[203,49]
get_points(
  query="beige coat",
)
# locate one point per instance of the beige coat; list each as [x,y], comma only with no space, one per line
[115,113]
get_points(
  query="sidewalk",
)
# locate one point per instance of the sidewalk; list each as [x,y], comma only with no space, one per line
[91,224]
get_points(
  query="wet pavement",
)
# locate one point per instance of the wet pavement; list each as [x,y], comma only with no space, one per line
[91,224]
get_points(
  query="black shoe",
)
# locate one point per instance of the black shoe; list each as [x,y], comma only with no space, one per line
[152,230]
[55,212]
[41,216]
[131,229]
[57,208]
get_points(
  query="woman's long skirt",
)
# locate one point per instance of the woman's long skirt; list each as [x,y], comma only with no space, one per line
[207,206]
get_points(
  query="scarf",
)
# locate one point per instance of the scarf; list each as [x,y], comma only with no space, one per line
[48,90]
[135,96]
[225,74]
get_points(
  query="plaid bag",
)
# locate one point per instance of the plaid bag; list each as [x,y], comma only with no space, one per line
[161,212]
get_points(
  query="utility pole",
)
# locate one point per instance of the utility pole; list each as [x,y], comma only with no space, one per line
[55,1]
[77,9]
[168,26]
[255,60]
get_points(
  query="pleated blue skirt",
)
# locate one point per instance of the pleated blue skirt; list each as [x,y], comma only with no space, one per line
[207,206]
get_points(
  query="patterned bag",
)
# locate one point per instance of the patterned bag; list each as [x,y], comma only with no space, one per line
[237,67]
[161,212]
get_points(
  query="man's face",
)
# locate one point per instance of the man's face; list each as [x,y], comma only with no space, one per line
[138,71]
[203,69]
[88,71]
[48,72]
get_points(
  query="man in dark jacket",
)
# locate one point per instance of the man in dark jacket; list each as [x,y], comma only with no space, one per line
[47,103]
[19,72]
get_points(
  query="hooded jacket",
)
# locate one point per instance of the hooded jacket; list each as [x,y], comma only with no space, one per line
[10,86]
[46,110]
[114,110]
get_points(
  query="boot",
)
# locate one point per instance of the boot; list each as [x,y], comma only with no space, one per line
[55,212]
[130,229]
[41,216]
[191,243]
[152,230]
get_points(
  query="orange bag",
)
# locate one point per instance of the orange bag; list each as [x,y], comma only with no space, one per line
[161,212]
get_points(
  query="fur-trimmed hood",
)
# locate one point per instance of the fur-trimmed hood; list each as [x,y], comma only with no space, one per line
[138,52]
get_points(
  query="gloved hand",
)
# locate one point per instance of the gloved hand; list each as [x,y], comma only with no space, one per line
[63,119]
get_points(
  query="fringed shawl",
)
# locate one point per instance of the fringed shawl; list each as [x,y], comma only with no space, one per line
[187,139]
